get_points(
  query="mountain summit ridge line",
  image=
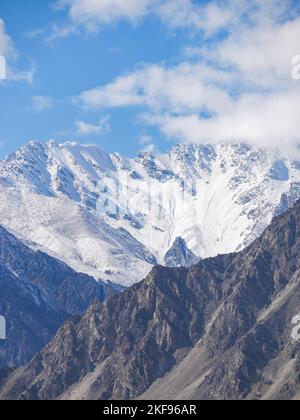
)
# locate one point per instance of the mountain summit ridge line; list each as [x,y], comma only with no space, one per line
[218,199]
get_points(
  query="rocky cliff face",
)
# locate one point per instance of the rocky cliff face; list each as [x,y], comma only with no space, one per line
[38,293]
[219,330]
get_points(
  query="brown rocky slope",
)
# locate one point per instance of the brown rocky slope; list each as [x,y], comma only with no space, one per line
[220,330]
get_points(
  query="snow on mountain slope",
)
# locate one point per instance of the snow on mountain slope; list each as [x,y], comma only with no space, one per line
[113,217]
[64,229]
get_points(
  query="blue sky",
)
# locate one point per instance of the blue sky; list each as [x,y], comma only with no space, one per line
[143,74]
[66,67]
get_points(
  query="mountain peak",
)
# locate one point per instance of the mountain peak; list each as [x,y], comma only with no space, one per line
[179,255]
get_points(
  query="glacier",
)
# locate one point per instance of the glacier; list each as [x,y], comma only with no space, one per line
[114,217]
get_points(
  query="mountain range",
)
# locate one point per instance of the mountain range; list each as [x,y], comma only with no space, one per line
[38,293]
[223,329]
[114,218]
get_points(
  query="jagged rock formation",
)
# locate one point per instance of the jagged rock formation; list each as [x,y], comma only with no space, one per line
[179,255]
[219,330]
[38,293]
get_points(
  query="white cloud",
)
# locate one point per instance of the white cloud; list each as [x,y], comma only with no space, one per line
[9,52]
[184,88]
[266,121]
[42,103]
[7,48]
[296,67]
[84,128]
[207,17]
[122,92]
[239,87]
[262,54]
[148,144]
[16,75]
[146,140]
[150,148]
[35,33]
[58,32]
[93,15]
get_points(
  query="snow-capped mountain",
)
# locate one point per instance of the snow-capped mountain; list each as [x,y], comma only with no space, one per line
[179,255]
[113,217]
[231,320]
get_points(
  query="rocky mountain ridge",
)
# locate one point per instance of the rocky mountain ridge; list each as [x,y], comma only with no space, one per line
[220,330]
